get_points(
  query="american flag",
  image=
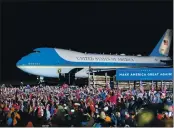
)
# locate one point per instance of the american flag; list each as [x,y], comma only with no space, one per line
[165,42]
[141,87]
[153,86]
[165,88]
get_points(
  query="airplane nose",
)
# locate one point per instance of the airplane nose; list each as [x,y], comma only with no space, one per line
[19,63]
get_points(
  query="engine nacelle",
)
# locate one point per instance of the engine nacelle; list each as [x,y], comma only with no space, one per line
[82,73]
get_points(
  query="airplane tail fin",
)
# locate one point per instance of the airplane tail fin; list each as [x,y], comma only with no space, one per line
[163,46]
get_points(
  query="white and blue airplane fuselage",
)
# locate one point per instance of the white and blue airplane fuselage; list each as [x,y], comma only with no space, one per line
[51,62]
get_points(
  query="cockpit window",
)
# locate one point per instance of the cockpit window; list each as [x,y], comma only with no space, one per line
[36,51]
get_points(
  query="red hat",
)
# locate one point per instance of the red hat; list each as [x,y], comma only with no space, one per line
[39,111]
[17,107]
[6,109]
[55,111]
[14,105]
[159,116]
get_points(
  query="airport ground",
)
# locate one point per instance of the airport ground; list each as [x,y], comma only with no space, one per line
[125,85]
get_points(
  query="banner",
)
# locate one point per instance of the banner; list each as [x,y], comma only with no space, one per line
[144,74]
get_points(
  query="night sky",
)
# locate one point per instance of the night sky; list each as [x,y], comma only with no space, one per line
[113,27]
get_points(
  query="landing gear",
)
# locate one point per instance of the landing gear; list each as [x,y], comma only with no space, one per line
[40,80]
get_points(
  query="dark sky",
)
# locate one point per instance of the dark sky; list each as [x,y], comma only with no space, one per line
[113,27]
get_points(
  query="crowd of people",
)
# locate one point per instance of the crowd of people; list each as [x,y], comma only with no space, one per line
[88,106]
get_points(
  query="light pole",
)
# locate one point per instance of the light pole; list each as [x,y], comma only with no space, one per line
[69,78]
[93,79]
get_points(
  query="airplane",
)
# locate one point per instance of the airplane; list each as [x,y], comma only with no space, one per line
[53,62]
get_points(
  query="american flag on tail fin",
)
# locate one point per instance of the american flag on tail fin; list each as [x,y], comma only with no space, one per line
[165,42]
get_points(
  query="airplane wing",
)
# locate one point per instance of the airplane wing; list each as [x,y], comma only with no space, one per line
[83,73]
[102,70]
[166,61]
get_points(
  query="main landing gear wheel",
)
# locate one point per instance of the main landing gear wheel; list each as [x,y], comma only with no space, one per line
[40,79]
